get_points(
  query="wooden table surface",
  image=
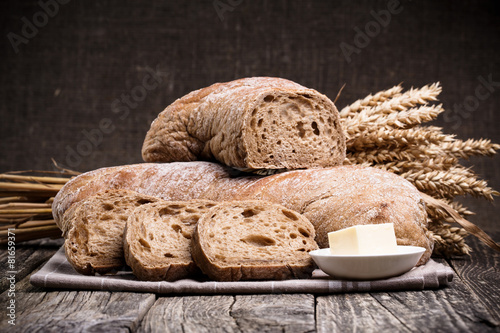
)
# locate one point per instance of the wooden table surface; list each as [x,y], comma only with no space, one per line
[471,303]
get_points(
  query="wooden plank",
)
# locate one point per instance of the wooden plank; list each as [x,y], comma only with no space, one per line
[451,309]
[241,313]
[354,313]
[39,310]
[190,314]
[28,256]
[481,273]
[274,313]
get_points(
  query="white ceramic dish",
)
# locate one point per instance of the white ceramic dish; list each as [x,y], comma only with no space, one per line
[367,267]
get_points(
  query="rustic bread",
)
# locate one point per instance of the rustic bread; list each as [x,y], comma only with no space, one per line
[331,198]
[257,123]
[93,230]
[157,239]
[253,240]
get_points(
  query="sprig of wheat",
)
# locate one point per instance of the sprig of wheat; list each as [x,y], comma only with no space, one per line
[465,149]
[425,165]
[380,156]
[369,101]
[388,137]
[386,130]
[390,101]
[450,183]
[397,120]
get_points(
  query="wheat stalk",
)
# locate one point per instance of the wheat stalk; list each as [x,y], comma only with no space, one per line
[380,156]
[390,101]
[28,224]
[396,120]
[385,130]
[385,137]
[450,183]
[25,204]
[426,165]
[32,233]
[369,101]
[465,149]
[36,179]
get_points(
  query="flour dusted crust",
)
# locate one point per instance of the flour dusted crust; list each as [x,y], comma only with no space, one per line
[258,123]
[253,240]
[331,198]
[157,239]
[180,181]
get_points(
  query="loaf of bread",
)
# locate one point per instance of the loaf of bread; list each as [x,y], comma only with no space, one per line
[331,198]
[255,123]
[253,240]
[93,230]
[157,239]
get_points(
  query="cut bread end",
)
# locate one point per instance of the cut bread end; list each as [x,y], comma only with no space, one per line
[293,131]
[94,237]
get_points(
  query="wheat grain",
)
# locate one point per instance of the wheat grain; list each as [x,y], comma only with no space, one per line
[370,100]
[437,215]
[449,240]
[461,209]
[381,156]
[386,137]
[450,183]
[470,147]
[425,165]
[397,120]
[390,101]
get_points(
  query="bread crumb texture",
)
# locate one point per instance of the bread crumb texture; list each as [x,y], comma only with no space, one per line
[158,237]
[253,240]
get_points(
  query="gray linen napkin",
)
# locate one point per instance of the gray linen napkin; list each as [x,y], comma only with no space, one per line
[58,273]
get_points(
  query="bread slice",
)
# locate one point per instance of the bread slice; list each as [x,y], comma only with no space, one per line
[158,236]
[250,123]
[93,230]
[253,240]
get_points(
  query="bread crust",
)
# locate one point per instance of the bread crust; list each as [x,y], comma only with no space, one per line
[258,122]
[331,198]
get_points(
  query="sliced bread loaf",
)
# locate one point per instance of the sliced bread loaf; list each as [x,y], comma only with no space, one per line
[253,240]
[158,236]
[93,230]
[331,198]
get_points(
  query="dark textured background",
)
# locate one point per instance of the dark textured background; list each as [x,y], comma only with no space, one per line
[74,73]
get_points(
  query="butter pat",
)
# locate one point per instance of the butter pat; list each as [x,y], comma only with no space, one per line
[364,240]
